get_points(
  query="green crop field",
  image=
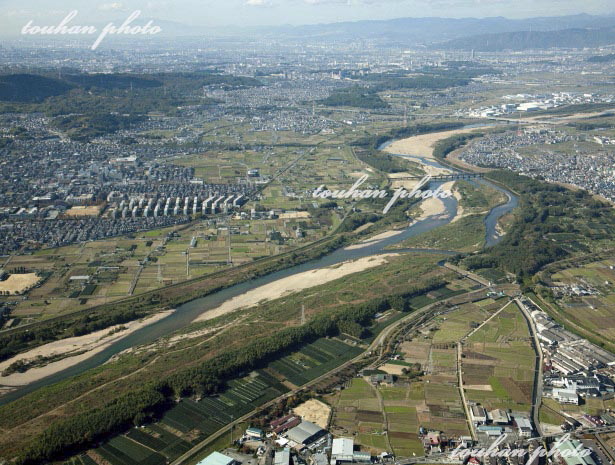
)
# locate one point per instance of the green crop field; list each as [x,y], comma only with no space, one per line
[123,451]
[498,363]
[357,411]
[189,422]
[593,313]
[314,360]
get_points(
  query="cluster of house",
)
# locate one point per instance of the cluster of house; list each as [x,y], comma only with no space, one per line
[567,389]
[573,367]
[496,422]
[294,437]
[604,140]
[529,103]
[573,290]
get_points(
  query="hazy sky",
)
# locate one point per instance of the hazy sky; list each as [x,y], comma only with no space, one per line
[15,13]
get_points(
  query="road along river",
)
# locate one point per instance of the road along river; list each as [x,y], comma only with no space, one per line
[188,312]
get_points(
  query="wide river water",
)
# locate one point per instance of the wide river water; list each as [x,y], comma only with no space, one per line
[187,312]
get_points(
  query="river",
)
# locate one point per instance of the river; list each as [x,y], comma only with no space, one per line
[187,312]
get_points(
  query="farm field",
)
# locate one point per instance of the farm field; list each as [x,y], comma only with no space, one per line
[432,401]
[453,326]
[313,360]
[78,277]
[499,361]
[191,421]
[594,313]
[188,423]
[357,411]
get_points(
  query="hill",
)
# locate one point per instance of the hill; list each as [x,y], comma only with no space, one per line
[29,88]
[602,58]
[525,40]
[416,31]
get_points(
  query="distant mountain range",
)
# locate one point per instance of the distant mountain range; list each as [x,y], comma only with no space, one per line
[480,34]
[523,40]
[417,31]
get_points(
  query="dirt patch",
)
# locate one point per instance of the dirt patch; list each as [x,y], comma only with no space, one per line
[83,211]
[293,215]
[17,284]
[315,411]
[369,416]
[392,368]
[479,387]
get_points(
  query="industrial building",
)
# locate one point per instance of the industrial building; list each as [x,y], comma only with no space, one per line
[524,427]
[342,450]
[499,417]
[479,415]
[565,396]
[285,423]
[282,457]
[306,433]
[216,458]
[567,454]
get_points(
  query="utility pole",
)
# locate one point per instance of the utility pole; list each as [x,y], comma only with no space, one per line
[302,314]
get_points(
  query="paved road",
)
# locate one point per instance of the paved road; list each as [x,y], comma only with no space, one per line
[468,274]
[466,408]
[378,342]
[537,389]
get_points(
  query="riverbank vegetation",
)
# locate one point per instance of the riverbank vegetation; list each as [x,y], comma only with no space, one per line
[197,366]
[551,224]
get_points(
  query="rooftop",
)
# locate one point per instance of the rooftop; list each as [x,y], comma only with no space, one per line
[342,447]
[216,458]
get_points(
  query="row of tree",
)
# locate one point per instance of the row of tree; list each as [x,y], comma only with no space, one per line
[67,436]
[552,223]
[78,324]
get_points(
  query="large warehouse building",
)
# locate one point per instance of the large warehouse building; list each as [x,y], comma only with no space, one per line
[306,433]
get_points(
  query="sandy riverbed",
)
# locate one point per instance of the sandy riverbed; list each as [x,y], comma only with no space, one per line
[92,344]
[294,283]
[423,145]
[372,240]
[460,212]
